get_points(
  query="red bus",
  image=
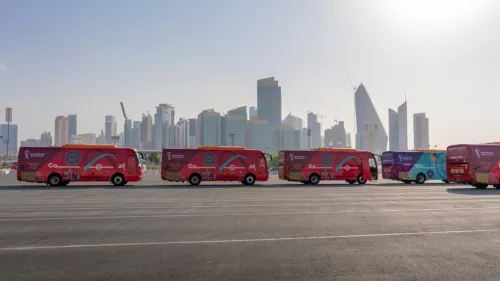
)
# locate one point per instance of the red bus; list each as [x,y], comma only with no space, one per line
[58,166]
[214,163]
[474,164]
[312,166]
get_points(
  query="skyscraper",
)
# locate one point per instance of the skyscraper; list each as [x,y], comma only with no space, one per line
[210,127]
[127,130]
[110,128]
[164,118]
[393,130]
[252,112]
[8,132]
[335,137]
[420,131]
[45,139]
[136,135]
[183,138]
[259,135]
[61,131]
[315,127]
[293,121]
[147,131]
[398,128]
[236,127]
[370,133]
[192,132]
[269,107]
[72,126]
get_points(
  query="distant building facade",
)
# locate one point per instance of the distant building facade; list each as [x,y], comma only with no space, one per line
[420,131]
[370,133]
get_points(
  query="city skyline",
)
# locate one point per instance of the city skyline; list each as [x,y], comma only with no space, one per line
[242,126]
[140,59]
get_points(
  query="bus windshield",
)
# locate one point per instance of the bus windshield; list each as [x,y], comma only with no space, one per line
[387,159]
[139,159]
[457,154]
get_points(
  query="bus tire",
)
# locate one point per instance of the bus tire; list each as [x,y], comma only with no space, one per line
[351,181]
[481,185]
[361,180]
[305,182]
[314,179]
[118,180]
[54,180]
[195,179]
[446,181]
[249,179]
[420,179]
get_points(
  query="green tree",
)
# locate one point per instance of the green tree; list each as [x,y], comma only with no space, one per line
[154,158]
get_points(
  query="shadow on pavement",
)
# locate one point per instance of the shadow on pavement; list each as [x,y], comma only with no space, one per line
[179,186]
[474,191]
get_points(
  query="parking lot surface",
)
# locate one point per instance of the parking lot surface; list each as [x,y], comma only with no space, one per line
[152,231]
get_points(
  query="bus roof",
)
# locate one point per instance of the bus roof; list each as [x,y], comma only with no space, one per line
[209,147]
[429,150]
[89,146]
[333,149]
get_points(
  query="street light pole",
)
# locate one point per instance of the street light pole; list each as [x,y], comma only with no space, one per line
[8,119]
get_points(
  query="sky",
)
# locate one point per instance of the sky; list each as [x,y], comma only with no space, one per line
[85,57]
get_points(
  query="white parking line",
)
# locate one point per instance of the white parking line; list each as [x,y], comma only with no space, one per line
[277,239]
[244,214]
[386,198]
[118,207]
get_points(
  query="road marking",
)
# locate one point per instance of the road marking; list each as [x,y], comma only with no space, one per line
[277,239]
[244,214]
[448,199]
[110,207]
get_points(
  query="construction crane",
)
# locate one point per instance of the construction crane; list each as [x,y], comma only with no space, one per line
[125,125]
[336,120]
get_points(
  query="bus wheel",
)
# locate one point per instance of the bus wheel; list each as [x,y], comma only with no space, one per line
[249,179]
[361,180]
[314,179]
[194,179]
[351,181]
[446,181]
[305,182]
[118,180]
[481,185]
[55,180]
[420,179]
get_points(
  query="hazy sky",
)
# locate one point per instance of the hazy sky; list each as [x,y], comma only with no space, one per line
[84,57]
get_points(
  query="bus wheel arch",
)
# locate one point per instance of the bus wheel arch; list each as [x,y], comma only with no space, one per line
[54,179]
[194,179]
[249,179]
[420,179]
[118,180]
[314,179]
[360,179]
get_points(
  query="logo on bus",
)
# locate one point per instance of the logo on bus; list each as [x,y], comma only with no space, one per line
[171,156]
[209,158]
[28,154]
[72,157]
[479,153]
[326,159]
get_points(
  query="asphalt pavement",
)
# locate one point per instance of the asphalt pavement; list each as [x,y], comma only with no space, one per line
[153,231]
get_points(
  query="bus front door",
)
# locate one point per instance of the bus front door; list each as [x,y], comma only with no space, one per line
[373,168]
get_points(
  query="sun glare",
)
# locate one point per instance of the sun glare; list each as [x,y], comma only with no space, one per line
[435,14]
